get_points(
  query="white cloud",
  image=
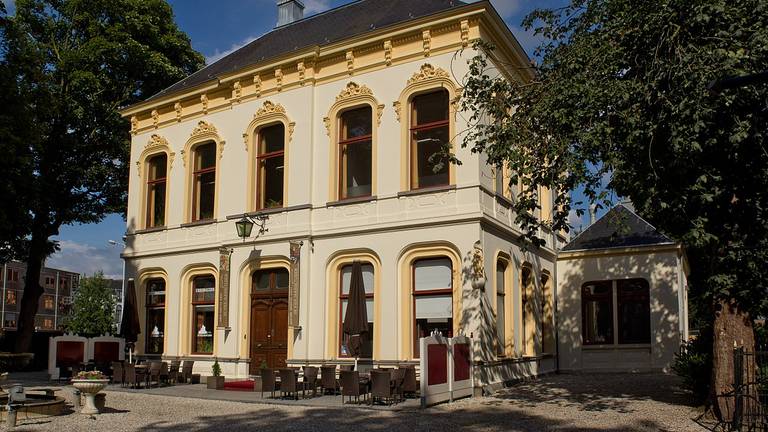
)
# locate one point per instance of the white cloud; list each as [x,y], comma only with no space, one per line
[506,8]
[218,55]
[87,259]
[315,6]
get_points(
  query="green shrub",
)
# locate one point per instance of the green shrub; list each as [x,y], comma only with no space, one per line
[693,364]
[216,369]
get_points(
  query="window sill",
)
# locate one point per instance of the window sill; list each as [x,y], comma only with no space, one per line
[348,201]
[198,223]
[506,202]
[428,190]
[150,230]
[607,347]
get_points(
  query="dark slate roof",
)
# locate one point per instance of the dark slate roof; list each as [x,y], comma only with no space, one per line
[321,29]
[620,227]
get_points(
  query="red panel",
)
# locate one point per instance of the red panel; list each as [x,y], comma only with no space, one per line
[437,364]
[69,353]
[104,352]
[461,362]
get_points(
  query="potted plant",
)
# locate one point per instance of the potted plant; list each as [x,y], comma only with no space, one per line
[216,382]
[90,383]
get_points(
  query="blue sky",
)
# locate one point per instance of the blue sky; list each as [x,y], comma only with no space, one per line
[86,248]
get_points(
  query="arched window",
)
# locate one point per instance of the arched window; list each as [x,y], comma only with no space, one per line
[528,294]
[155,328]
[547,315]
[270,166]
[368,283]
[203,300]
[501,313]
[355,153]
[157,172]
[432,298]
[430,130]
[204,182]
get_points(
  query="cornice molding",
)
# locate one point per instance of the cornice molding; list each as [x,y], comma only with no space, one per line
[270,112]
[204,131]
[353,94]
[156,144]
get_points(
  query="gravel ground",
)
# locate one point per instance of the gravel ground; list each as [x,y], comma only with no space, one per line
[586,403]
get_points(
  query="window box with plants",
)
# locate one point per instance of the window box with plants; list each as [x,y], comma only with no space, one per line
[216,380]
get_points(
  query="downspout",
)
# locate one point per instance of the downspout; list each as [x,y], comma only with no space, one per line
[5,279]
[556,290]
[310,242]
[56,304]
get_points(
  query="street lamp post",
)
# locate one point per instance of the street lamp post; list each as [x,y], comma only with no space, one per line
[121,300]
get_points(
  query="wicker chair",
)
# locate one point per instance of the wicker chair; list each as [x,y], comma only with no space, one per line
[398,378]
[410,386]
[117,373]
[130,377]
[268,382]
[328,379]
[186,370]
[310,379]
[173,371]
[381,386]
[164,375]
[153,374]
[351,386]
[289,384]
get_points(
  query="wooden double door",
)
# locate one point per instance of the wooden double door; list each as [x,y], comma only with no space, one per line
[269,319]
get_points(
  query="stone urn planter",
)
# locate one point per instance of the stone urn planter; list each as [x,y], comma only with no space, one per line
[90,388]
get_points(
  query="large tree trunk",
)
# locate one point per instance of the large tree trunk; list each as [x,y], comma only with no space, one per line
[732,329]
[38,251]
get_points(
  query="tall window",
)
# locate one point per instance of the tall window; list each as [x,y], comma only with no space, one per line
[48,302]
[634,311]
[10,320]
[10,297]
[157,168]
[355,153]
[529,310]
[203,299]
[271,166]
[548,315]
[204,182]
[430,129]
[155,316]
[501,286]
[597,312]
[432,298]
[368,281]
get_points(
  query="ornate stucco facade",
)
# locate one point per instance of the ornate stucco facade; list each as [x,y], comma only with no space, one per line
[463,222]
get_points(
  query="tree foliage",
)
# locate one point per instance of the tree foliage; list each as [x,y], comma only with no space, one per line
[93,310]
[66,67]
[621,92]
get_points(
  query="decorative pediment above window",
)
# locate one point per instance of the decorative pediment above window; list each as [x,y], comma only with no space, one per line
[269,113]
[428,72]
[156,144]
[353,95]
[204,131]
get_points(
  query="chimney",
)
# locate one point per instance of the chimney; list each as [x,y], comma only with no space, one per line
[592,214]
[289,11]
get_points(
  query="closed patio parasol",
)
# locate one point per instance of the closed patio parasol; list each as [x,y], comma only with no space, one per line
[356,318]
[130,326]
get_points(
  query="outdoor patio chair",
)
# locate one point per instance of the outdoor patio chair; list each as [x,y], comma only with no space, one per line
[381,386]
[153,373]
[117,373]
[268,382]
[130,377]
[164,375]
[328,379]
[410,385]
[289,384]
[186,370]
[310,379]
[351,386]
[398,377]
[173,371]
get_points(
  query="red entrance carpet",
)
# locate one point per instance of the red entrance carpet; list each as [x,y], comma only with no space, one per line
[246,385]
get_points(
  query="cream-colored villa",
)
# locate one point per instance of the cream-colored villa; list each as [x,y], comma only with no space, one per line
[328,130]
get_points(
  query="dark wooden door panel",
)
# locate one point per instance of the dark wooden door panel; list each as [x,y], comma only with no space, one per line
[269,330]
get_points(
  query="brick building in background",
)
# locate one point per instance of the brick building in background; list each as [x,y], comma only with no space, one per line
[55,303]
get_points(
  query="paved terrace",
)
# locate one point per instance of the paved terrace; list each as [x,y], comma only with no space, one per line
[563,403]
